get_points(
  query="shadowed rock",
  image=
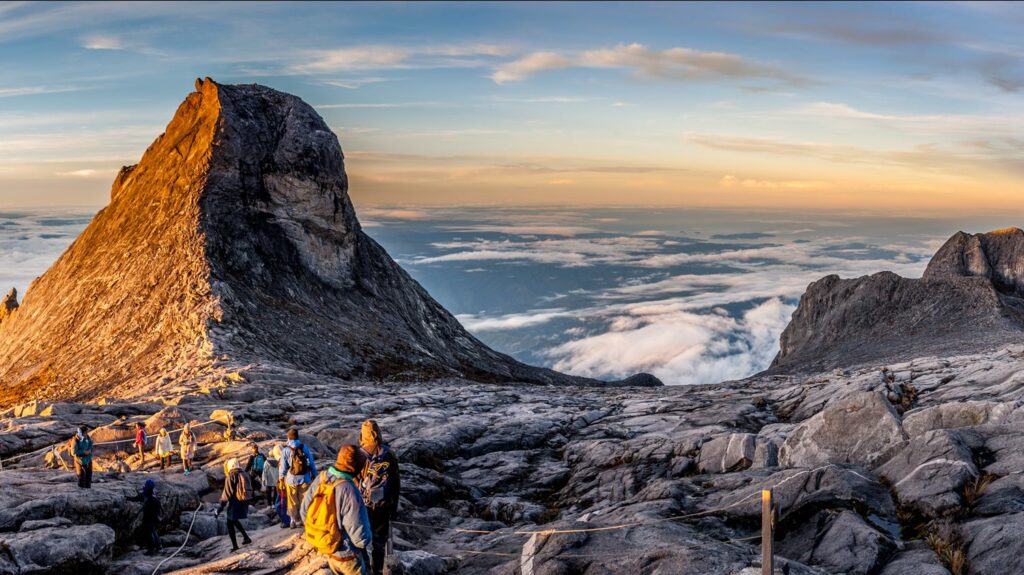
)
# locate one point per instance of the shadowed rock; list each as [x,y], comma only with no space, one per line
[969,300]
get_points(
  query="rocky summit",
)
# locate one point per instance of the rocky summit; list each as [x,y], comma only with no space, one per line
[970,299]
[228,286]
[233,243]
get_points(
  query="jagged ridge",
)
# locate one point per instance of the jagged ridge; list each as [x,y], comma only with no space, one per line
[968,300]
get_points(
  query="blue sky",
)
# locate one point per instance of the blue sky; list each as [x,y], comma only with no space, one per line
[818,106]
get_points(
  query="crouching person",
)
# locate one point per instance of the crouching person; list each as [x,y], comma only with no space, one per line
[336,522]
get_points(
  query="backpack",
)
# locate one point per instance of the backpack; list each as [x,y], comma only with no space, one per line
[298,465]
[243,489]
[321,525]
[375,480]
[257,463]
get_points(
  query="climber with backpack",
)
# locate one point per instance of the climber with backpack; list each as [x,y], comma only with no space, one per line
[337,523]
[254,467]
[236,496]
[296,469]
[380,485]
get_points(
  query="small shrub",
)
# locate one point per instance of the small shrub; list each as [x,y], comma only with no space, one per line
[976,487]
[945,538]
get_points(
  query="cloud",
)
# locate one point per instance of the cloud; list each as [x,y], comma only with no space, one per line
[385,57]
[679,347]
[511,321]
[394,213]
[528,65]
[35,90]
[734,182]
[382,105]
[30,241]
[525,229]
[354,83]
[103,42]
[670,64]
[921,156]
[86,173]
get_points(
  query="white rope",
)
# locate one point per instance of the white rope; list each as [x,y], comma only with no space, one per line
[59,443]
[183,543]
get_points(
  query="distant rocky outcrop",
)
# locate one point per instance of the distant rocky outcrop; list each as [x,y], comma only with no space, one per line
[233,243]
[970,299]
[8,304]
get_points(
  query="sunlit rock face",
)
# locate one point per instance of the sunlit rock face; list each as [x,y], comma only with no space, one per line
[971,298]
[233,243]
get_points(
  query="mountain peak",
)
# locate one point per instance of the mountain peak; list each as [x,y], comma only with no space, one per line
[233,243]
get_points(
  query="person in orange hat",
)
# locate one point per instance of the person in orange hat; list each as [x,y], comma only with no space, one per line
[335,519]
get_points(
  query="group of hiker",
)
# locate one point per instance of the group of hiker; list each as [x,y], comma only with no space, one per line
[82,448]
[344,510]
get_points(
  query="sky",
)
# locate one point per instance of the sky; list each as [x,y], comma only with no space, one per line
[602,188]
[868,108]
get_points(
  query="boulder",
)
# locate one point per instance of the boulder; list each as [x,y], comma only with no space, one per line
[929,472]
[916,558]
[727,453]
[838,542]
[858,429]
[79,549]
[953,415]
[995,545]
[169,418]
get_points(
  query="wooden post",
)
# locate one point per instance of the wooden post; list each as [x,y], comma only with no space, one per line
[767,533]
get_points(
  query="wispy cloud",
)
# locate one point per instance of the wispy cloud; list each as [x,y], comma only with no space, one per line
[35,90]
[103,42]
[511,321]
[671,64]
[354,83]
[383,57]
[381,105]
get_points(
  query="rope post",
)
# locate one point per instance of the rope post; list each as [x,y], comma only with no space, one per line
[767,533]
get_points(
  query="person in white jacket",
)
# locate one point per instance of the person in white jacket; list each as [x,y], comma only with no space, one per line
[271,476]
[164,448]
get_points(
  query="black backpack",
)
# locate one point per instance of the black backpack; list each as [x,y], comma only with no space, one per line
[299,464]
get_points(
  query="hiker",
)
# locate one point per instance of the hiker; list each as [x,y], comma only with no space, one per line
[81,448]
[379,486]
[187,442]
[140,442]
[270,476]
[150,516]
[336,521]
[236,495]
[296,469]
[254,467]
[164,448]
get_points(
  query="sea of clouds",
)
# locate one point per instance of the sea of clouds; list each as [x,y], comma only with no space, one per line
[690,296]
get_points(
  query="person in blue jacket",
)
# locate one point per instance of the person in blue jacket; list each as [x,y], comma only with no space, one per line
[296,470]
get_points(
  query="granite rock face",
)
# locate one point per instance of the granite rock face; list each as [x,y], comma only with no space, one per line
[232,243]
[678,466]
[969,300]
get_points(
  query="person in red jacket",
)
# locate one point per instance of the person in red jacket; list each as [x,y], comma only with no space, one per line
[140,442]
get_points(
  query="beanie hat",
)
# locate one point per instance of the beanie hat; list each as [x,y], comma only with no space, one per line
[148,487]
[350,460]
[369,436]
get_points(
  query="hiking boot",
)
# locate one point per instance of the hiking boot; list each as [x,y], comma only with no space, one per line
[246,541]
